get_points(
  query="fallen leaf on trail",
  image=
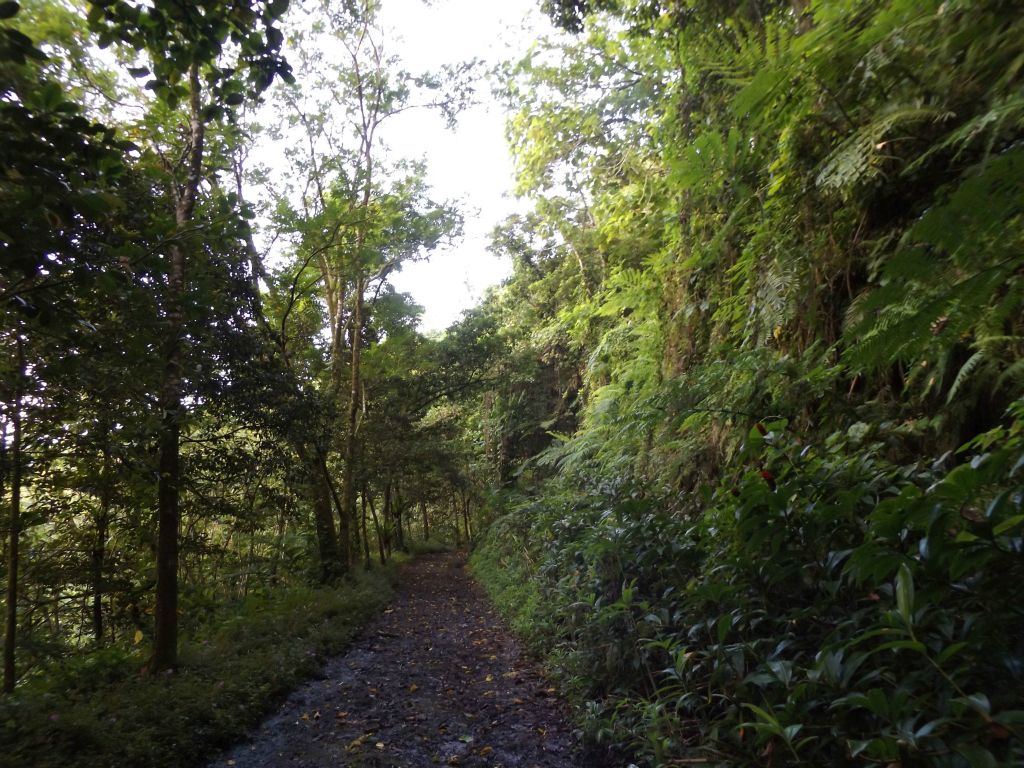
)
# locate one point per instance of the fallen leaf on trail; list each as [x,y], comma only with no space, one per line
[489,679]
[379,745]
[485,751]
[356,743]
[413,688]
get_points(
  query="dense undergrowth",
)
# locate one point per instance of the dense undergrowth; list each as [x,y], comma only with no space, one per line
[98,710]
[761,492]
[822,605]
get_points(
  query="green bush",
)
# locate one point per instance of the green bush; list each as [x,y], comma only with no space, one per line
[821,606]
[100,711]
[434,546]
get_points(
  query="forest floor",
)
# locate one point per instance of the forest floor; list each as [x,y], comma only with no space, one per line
[436,680]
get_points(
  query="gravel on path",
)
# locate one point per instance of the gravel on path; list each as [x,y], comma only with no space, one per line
[437,679]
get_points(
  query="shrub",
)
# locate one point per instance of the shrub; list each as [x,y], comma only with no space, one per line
[99,711]
[822,605]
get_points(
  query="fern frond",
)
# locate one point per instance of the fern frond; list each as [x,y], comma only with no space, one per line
[975,361]
[860,156]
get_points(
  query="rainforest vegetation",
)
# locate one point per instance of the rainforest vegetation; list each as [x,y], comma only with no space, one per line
[739,445]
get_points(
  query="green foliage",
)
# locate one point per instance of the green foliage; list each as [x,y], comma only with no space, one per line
[178,38]
[97,710]
[780,245]
[822,605]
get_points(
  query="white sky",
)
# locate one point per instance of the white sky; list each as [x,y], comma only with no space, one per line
[471,163]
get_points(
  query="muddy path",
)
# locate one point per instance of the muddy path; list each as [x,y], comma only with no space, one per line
[435,680]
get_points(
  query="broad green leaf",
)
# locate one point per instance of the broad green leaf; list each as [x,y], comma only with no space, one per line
[905,594]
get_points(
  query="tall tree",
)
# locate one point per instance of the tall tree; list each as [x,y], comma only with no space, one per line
[355,214]
[186,50]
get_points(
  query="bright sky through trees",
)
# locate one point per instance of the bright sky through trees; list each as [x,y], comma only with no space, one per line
[472,162]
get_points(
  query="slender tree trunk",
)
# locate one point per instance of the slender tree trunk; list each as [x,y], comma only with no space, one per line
[11,618]
[323,518]
[369,111]
[99,550]
[426,522]
[345,524]
[348,481]
[388,517]
[258,271]
[319,493]
[455,519]
[366,538]
[278,546]
[380,533]
[465,517]
[165,613]
[398,504]
[355,540]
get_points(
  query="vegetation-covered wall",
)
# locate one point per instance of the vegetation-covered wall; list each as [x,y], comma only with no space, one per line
[775,263]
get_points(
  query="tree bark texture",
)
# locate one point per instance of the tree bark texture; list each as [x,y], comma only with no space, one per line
[99,550]
[11,618]
[165,613]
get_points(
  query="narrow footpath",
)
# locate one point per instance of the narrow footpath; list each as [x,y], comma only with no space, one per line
[436,680]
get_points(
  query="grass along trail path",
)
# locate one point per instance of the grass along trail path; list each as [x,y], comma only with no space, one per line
[436,680]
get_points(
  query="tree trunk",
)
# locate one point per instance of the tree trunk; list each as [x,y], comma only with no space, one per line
[348,482]
[319,492]
[11,618]
[344,555]
[165,612]
[455,519]
[397,511]
[388,517]
[323,519]
[278,546]
[366,538]
[99,550]
[426,523]
[380,533]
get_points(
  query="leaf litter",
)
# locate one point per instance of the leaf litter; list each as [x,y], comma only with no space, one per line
[437,679]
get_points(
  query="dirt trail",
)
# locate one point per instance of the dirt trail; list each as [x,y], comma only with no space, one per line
[436,680]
